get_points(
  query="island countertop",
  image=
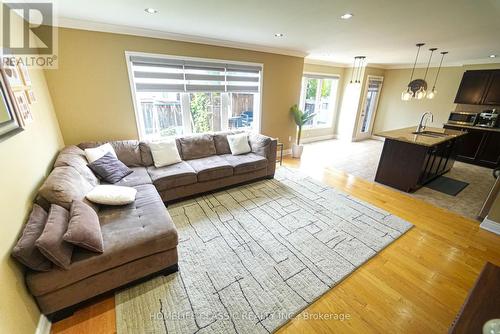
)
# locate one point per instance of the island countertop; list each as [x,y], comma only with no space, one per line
[407,135]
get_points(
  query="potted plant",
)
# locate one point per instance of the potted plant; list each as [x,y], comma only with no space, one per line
[300,119]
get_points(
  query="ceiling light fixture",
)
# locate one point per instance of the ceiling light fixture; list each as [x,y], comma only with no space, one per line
[493,56]
[150,10]
[356,69]
[346,16]
[407,94]
[433,92]
[278,35]
[421,92]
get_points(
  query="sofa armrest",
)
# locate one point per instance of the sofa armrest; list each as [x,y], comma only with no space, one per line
[265,146]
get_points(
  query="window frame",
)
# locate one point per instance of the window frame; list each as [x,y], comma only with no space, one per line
[335,97]
[137,114]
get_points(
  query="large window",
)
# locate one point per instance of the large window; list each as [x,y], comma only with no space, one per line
[318,96]
[179,96]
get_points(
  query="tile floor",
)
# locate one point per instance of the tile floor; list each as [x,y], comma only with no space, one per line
[361,159]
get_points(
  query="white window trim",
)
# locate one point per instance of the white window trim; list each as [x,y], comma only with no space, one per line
[335,105]
[138,120]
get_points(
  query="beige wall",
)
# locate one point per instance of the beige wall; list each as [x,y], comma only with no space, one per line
[393,113]
[494,213]
[26,159]
[331,70]
[91,89]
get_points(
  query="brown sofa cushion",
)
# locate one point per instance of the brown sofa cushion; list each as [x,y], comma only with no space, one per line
[245,163]
[83,228]
[63,186]
[73,156]
[179,174]
[198,146]
[127,151]
[211,168]
[25,250]
[260,144]
[51,242]
[220,141]
[139,176]
[129,232]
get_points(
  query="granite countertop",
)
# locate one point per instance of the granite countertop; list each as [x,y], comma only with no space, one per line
[473,127]
[406,135]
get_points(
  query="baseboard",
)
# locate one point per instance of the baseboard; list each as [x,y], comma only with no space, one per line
[44,325]
[378,138]
[490,225]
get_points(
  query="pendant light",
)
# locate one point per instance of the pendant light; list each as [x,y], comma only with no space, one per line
[353,67]
[433,92]
[360,67]
[421,92]
[407,94]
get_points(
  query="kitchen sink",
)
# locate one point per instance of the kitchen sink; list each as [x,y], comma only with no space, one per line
[431,134]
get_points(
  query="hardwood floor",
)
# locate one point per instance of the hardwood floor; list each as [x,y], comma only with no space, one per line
[416,285]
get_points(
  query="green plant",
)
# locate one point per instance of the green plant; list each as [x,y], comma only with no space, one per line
[300,119]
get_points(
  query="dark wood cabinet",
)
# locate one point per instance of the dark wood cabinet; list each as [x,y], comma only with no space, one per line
[479,87]
[479,147]
[492,96]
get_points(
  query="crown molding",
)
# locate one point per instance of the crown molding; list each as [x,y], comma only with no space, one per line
[322,62]
[64,22]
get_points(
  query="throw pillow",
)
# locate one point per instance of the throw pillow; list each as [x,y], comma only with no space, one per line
[95,153]
[112,195]
[84,229]
[51,242]
[25,250]
[165,153]
[109,168]
[239,144]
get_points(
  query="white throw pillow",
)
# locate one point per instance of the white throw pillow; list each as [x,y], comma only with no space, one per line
[239,144]
[98,152]
[112,195]
[165,153]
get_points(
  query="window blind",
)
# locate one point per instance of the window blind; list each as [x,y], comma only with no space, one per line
[152,74]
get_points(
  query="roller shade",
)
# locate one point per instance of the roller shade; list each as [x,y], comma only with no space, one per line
[153,74]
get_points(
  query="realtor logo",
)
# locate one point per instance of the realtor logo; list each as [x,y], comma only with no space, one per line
[29,35]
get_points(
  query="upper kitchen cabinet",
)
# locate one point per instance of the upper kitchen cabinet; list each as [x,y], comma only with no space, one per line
[492,96]
[473,87]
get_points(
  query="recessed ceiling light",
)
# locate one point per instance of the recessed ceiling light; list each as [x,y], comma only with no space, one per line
[493,56]
[346,16]
[279,35]
[150,10]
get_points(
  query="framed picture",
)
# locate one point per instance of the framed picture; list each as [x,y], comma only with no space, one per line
[9,123]
[23,108]
[30,94]
[25,75]
[13,77]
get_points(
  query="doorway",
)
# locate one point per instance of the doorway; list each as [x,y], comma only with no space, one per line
[369,108]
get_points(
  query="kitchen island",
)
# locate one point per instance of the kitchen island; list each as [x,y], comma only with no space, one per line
[409,159]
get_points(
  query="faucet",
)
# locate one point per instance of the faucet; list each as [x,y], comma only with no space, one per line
[421,126]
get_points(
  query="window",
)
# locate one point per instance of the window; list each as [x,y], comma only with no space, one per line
[177,96]
[319,94]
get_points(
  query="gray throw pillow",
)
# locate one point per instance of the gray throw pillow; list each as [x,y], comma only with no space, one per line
[25,250]
[84,229]
[51,242]
[109,168]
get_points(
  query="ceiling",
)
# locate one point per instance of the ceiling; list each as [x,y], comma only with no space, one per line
[383,30]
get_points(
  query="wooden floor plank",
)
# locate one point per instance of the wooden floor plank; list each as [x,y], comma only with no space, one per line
[415,285]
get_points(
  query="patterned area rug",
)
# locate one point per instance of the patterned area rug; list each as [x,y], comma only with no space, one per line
[252,257]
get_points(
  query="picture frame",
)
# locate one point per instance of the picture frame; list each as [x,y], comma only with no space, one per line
[23,108]
[31,96]
[9,122]
[25,75]
[13,77]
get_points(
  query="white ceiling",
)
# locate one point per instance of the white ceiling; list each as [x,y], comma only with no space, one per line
[383,30]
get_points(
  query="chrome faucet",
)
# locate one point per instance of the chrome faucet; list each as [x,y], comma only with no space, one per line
[422,125]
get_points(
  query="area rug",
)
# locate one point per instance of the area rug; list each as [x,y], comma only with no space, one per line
[252,257]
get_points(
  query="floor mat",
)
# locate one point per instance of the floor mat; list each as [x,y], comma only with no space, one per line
[447,185]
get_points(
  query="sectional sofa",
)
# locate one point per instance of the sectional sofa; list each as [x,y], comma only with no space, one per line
[140,239]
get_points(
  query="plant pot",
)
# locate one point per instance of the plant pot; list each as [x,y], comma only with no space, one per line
[297,150]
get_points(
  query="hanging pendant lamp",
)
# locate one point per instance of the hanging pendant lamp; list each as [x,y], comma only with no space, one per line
[433,92]
[421,92]
[407,94]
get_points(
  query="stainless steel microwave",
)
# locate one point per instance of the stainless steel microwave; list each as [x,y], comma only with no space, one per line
[463,118]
